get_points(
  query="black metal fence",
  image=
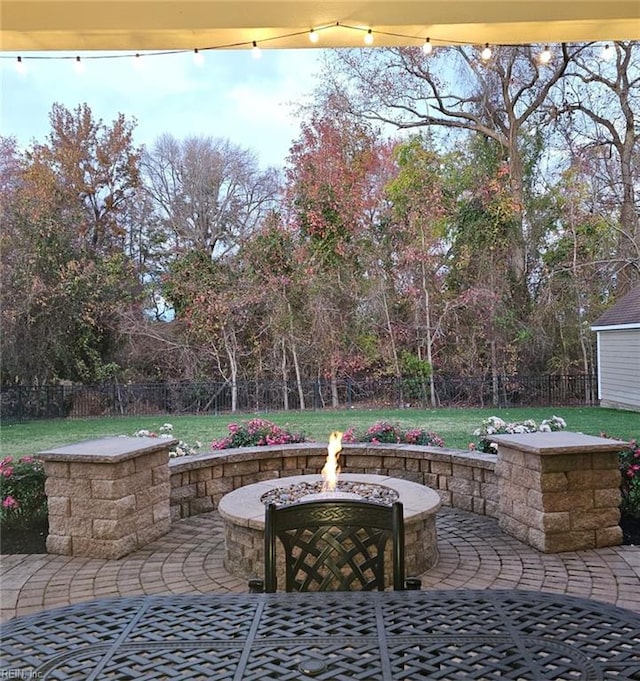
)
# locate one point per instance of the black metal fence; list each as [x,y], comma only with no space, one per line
[19,403]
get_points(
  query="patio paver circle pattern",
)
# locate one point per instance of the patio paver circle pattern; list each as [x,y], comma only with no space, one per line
[474,553]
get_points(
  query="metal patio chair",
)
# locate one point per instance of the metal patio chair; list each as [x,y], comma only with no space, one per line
[334,545]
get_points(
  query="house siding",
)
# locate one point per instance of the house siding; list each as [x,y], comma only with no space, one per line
[619,368]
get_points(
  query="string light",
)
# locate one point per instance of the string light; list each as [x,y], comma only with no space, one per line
[78,65]
[20,66]
[137,62]
[545,56]
[313,34]
[486,53]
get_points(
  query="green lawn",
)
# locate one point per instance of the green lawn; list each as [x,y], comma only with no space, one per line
[455,426]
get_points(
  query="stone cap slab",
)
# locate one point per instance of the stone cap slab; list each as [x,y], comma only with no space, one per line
[244,507]
[559,442]
[108,449]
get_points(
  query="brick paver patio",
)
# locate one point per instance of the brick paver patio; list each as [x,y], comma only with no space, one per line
[474,553]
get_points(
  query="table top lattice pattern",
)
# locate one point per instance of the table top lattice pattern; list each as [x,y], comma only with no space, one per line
[390,636]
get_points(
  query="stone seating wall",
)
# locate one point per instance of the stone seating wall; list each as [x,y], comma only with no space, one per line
[463,480]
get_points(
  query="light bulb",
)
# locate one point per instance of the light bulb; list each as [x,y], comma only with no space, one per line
[198,57]
[486,53]
[137,62]
[255,51]
[607,52]
[78,65]
[545,56]
[368,38]
[427,48]
[313,36]
[20,66]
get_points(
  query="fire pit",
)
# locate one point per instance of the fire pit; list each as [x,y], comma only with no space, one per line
[243,511]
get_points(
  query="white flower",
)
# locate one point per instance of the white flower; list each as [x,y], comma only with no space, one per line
[545,428]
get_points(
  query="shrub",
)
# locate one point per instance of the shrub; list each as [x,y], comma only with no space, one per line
[384,432]
[630,469]
[494,425]
[24,502]
[256,433]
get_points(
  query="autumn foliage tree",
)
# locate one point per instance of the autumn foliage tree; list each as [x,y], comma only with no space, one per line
[65,274]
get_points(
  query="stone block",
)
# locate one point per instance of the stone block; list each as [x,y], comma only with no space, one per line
[59,487]
[479,506]
[59,544]
[56,469]
[489,491]
[161,512]
[462,472]
[556,522]
[510,456]
[567,501]
[514,527]
[101,548]
[110,489]
[593,479]
[241,468]
[607,498]
[271,464]
[101,471]
[463,501]
[70,526]
[151,460]
[442,467]
[491,508]
[147,496]
[527,515]
[594,519]
[569,541]
[201,505]
[59,506]
[161,474]
[219,486]
[112,529]
[99,508]
[184,492]
[554,482]
[555,463]
[608,536]
[605,460]
[463,486]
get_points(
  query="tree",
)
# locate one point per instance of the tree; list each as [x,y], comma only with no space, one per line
[599,116]
[65,276]
[209,193]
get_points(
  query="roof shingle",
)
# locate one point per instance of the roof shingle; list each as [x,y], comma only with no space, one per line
[625,311]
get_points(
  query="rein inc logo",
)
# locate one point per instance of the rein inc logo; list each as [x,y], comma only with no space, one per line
[25,673]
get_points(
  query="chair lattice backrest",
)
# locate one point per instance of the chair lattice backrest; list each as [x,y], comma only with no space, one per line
[334,545]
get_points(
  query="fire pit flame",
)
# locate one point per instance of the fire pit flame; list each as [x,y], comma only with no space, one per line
[331,468]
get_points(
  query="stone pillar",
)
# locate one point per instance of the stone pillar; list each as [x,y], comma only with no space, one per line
[107,497]
[559,491]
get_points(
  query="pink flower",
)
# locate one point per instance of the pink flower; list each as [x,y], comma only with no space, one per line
[10,502]
[472,446]
[7,472]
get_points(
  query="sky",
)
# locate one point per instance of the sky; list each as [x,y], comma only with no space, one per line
[231,95]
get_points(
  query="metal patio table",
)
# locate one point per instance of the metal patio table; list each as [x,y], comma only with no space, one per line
[390,636]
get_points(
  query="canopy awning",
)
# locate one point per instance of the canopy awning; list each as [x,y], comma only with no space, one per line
[189,24]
